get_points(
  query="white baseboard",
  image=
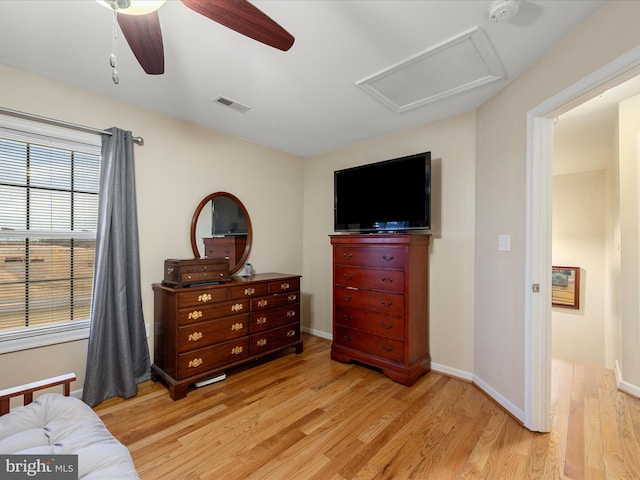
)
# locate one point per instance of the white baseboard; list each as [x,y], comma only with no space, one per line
[452,372]
[502,401]
[626,387]
[317,333]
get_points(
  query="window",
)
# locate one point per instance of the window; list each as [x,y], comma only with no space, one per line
[49,185]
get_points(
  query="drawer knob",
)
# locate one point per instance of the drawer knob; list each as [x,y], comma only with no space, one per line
[237,307]
[195,336]
[262,303]
[347,337]
[347,255]
[385,348]
[195,315]
[262,342]
[249,291]
[291,313]
[195,363]
[386,304]
[291,333]
[261,320]
[384,325]
[292,298]
[236,327]
[347,317]
[346,297]
[388,280]
[237,350]
[284,286]
[204,298]
[388,258]
[347,276]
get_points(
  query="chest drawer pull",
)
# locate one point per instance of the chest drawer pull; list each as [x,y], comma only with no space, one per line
[291,313]
[386,304]
[195,363]
[169,270]
[237,307]
[292,298]
[195,336]
[205,297]
[347,317]
[347,297]
[195,315]
[347,255]
[237,350]
[262,342]
[348,277]
[384,325]
[291,333]
[249,291]
[388,258]
[236,327]
[261,320]
[348,338]
[262,303]
[385,348]
[284,286]
[385,279]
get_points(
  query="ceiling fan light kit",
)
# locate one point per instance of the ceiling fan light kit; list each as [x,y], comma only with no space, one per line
[503,10]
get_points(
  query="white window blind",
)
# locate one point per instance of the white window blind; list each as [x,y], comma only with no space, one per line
[48,217]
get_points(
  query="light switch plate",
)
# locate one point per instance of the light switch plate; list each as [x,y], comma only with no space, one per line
[504,243]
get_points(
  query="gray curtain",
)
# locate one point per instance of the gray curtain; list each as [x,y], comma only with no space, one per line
[118,355]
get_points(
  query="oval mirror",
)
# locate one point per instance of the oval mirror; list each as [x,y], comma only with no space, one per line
[221,227]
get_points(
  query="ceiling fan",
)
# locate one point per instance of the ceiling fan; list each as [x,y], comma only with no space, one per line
[140,25]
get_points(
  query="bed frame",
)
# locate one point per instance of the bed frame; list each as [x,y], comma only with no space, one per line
[28,389]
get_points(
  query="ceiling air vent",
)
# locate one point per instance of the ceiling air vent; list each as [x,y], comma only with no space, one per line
[238,107]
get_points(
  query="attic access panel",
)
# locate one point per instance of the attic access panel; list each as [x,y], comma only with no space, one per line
[457,65]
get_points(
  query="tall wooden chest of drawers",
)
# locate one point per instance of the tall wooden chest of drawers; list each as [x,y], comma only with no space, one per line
[200,331]
[381,303]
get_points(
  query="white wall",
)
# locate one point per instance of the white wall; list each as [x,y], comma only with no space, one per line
[452,146]
[629,158]
[179,165]
[579,241]
[501,189]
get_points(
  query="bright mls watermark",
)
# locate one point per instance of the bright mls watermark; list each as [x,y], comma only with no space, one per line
[51,467]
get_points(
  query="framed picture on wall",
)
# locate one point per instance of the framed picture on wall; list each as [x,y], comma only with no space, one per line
[565,287]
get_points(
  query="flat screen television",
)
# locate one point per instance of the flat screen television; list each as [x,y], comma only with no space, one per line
[227,218]
[389,196]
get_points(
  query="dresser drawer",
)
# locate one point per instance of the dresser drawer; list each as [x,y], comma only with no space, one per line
[287,285]
[189,298]
[370,322]
[211,312]
[370,279]
[375,257]
[380,302]
[274,317]
[274,301]
[276,338]
[248,291]
[389,349]
[200,335]
[209,358]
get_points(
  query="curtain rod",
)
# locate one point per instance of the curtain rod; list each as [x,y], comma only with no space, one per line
[60,123]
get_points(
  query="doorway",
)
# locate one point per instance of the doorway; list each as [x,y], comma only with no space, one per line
[539,159]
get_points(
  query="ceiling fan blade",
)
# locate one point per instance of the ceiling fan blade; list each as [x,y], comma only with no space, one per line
[244,18]
[144,36]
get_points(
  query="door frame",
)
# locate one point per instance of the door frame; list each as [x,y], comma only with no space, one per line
[539,166]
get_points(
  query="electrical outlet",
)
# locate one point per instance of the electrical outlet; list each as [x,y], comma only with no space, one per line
[504,243]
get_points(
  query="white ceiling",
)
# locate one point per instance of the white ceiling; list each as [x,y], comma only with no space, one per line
[303,101]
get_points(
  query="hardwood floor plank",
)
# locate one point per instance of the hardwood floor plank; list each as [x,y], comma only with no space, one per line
[305,417]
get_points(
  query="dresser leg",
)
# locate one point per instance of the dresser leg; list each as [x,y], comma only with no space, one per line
[299,348]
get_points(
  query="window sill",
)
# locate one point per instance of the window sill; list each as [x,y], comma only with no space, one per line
[34,337]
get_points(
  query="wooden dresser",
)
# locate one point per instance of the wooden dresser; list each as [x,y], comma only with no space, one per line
[381,303]
[200,331]
[231,248]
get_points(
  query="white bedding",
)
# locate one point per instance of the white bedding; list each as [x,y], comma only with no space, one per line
[55,424]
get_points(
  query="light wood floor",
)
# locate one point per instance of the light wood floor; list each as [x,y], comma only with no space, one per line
[307,417]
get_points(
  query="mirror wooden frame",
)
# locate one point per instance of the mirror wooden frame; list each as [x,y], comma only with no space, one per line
[565,287]
[194,222]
